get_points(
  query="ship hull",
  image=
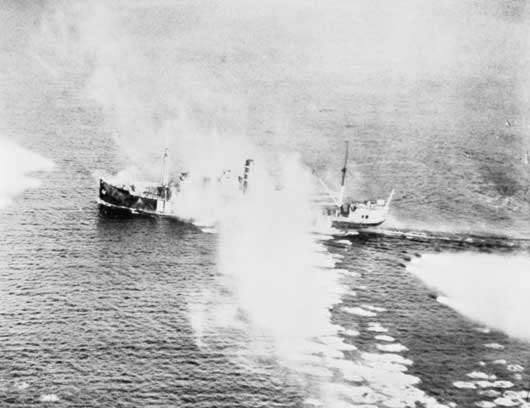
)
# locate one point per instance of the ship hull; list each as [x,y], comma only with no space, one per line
[346,225]
[122,198]
[113,211]
[120,202]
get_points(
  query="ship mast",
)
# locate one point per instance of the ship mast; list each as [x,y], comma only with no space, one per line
[165,176]
[343,171]
[164,168]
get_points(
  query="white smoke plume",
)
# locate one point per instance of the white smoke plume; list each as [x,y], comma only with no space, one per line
[17,166]
[488,288]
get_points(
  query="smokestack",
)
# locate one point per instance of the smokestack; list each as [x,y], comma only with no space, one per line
[248,165]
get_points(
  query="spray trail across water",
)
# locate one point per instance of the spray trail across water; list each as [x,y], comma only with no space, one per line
[15,164]
[489,288]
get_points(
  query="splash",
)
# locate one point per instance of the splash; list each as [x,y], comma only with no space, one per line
[280,279]
[265,245]
[491,289]
[279,286]
[15,165]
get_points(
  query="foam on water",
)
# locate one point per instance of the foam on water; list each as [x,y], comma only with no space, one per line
[506,402]
[386,358]
[494,346]
[494,384]
[376,327]
[16,163]
[359,311]
[484,330]
[373,308]
[481,375]
[484,404]
[49,398]
[383,337]
[392,348]
[492,289]
[350,332]
[465,385]
[489,393]
[21,385]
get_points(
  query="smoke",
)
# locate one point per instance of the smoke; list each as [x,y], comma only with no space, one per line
[266,246]
[15,165]
[280,278]
[150,98]
[279,286]
[490,289]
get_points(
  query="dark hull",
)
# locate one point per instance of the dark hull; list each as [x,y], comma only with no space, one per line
[114,212]
[121,203]
[122,198]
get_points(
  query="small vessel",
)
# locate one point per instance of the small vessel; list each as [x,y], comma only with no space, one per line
[353,214]
[168,198]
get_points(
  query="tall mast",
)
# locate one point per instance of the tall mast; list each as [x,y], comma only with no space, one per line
[165,177]
[343,171]
[165,167]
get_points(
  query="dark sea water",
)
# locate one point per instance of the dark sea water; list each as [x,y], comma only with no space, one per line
[431,308]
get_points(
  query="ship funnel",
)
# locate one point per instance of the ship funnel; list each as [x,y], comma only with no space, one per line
[248,166]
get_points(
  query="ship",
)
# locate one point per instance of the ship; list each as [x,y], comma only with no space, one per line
[166,198]
[341,214]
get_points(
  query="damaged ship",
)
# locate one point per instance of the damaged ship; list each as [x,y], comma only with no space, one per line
[160,199]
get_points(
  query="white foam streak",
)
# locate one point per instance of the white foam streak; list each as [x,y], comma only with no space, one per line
[359,311]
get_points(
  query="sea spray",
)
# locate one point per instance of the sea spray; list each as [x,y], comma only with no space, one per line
[278,288]
[279,274]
